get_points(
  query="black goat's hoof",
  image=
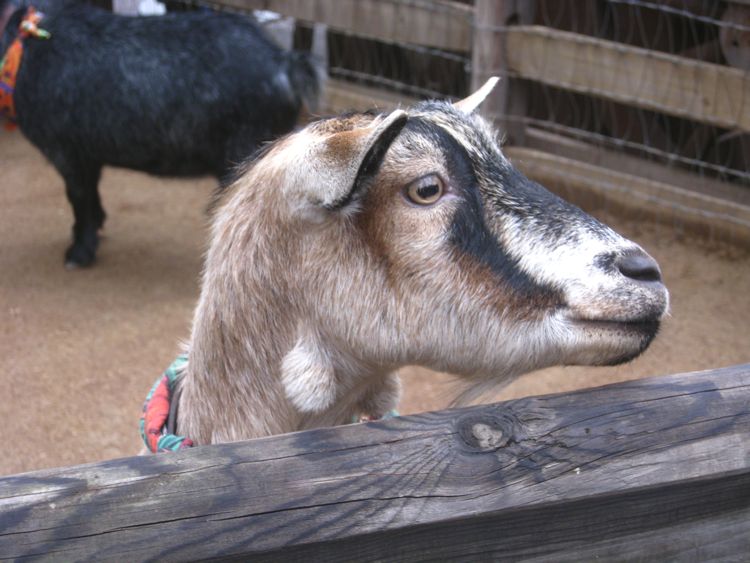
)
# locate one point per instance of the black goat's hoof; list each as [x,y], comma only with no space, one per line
[78,257]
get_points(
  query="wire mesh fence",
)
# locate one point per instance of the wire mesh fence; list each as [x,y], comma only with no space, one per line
[666,116]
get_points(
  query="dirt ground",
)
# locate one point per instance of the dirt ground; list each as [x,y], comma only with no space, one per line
[79,350]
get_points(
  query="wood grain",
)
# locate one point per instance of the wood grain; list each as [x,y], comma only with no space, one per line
[657,467]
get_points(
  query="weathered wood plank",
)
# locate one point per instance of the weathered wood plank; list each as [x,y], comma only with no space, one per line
[687,88]
[657,467]
[343,96]
[489,58]
[440,24]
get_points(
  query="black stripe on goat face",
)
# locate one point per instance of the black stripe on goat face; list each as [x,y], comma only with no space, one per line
[505,191]
[470,234]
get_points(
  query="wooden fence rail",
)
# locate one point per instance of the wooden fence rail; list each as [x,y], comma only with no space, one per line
[440,24]
[657,467]
[710,93]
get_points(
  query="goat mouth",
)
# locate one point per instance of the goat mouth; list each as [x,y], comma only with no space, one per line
[645,328]
[616,342]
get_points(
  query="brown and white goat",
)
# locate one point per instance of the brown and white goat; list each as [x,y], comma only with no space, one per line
[367,242]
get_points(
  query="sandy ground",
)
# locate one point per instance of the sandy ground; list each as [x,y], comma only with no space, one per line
[79,350]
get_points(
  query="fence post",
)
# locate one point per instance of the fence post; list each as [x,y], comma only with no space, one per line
[488,58]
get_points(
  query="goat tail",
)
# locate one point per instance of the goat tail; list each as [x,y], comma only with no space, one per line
[306,76]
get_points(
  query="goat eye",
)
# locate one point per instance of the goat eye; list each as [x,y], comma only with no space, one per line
[425,190]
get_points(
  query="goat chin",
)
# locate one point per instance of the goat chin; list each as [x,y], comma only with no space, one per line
[597,343]
[368,242]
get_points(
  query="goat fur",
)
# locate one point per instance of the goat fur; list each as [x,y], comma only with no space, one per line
[322,278]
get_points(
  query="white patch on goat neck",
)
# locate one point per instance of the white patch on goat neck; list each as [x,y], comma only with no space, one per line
[308,377]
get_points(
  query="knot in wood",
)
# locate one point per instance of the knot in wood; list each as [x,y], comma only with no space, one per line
[482,432]
[487,436]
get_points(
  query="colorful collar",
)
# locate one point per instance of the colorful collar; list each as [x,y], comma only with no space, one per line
[159,418]
[11,61]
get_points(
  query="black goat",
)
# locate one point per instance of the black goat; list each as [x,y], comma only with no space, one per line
[180,95]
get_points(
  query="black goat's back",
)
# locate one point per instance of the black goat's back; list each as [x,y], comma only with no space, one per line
[186,94]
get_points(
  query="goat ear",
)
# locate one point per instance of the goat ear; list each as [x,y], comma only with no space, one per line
[348,157]
[470,104]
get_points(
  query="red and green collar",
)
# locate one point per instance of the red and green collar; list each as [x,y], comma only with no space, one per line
[159,416]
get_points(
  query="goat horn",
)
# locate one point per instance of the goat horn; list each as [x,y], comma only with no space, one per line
[472,102]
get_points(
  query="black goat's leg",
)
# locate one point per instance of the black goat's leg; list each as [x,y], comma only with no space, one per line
[99,215]
[82,189]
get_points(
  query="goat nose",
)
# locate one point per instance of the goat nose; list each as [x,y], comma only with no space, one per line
[639,266]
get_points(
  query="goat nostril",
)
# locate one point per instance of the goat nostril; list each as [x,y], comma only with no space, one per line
[638,266]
